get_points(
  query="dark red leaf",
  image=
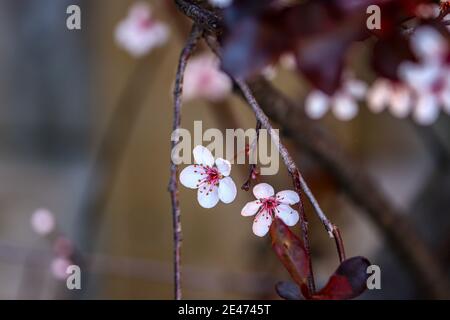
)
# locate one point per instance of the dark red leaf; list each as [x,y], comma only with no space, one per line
[389,53]
[348,281]
[291,251]
[313,31]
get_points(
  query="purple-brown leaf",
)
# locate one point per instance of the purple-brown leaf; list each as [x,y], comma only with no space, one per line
[347,282]
[291,251]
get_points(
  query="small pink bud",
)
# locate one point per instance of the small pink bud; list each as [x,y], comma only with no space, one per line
[59,266]
[42,221]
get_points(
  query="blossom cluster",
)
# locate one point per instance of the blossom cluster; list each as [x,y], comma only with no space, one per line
[211,178]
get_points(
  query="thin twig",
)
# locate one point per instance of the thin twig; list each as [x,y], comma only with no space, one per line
[252,170]
[188,49]
[290,164]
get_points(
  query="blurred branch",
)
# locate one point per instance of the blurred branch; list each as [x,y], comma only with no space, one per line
[111,150]
[188,49]
[395,225]
[432,141]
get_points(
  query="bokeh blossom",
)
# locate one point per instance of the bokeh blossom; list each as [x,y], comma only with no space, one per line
[210,177]
[203,79]
[395,96]
[59,267]
[343,103]
[140,32]
[269,206]
[430,77]
[42,222]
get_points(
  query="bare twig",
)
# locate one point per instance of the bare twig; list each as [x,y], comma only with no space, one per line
[252,169]
[188,49]
[204,18]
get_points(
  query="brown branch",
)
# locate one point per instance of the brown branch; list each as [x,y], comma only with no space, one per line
[290,164]
[204,18]
[188,49]
[395,224]
[253,169]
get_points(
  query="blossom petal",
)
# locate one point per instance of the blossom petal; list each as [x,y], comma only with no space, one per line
[400,101]
[427,110]
[419,76]
[378,95]
[288,197]
[227,190]
[446,100]
[224,166]
[203,156]
[261,224]
[251,208]
[356,88]
[191,175]
[263,190]
[208,196]
[428,43]
[344,107]
[287,214]
[316,104]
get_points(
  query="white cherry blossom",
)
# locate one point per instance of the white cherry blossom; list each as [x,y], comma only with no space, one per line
[140,32]
[204,79]
[430,78]
[395,96]
[343,103]
[210,177]
[269,206]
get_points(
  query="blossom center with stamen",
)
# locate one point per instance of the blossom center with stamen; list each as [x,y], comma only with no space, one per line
[212,178]
[269,205]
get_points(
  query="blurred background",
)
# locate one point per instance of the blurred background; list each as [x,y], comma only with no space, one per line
[60,91]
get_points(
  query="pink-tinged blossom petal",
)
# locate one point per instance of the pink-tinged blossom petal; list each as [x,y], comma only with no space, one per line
[287,214]
[400,101]
[317,104]
[203,79]
[191,176]
[59,267]
[378,95]
[288,197]
[261,224]
[208,196]
[251,208]
[427,110]
[428,43]
[43,221]
[356,88]
[227,190]
[344,107]
[139,32]
[263,190]
[419,76]
[288,61]
[427,10]
[224,166]
[203,156]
